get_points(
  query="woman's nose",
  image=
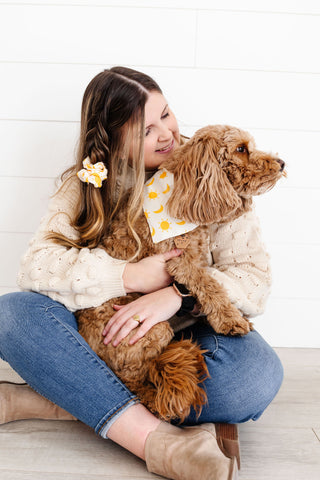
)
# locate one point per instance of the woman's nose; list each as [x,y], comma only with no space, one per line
[164,134]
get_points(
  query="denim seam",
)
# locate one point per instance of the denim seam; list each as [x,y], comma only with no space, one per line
[119,407]
[94,357]
[217,345]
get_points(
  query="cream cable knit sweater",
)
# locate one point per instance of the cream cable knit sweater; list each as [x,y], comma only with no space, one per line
[88,277]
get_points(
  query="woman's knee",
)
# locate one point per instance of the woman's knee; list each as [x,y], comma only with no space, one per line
[9,307]
[245,376]
[26,317]
[266,365]
[10,317]
[257,378]
[269,379]
[16,308]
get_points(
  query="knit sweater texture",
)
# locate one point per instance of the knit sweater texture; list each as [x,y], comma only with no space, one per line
[83,278]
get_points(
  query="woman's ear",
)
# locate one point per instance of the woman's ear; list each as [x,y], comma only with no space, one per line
[202,193]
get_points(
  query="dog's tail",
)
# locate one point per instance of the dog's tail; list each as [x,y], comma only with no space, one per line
[174,381]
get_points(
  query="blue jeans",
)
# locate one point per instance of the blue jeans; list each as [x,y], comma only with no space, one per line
[39,339]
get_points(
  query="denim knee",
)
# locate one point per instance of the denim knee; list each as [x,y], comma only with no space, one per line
[245,375]
[272,378]
[15,311]
[6,324]
[255,379]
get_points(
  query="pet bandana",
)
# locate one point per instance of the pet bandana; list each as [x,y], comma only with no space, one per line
[157,192]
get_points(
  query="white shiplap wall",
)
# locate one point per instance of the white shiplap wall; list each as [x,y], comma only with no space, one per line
[252,64]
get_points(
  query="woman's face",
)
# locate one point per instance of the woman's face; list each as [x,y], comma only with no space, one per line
[162,132]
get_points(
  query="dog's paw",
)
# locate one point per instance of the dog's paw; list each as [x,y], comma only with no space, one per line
[241,327]
[230,322]
[251,326]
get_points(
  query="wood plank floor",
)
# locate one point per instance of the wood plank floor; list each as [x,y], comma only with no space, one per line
[284,444]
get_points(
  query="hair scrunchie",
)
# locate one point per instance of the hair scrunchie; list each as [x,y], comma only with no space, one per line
[94,174]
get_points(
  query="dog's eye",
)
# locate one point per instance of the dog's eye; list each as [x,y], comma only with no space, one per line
[241,149]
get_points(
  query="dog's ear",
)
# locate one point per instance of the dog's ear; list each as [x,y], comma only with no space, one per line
[202,193]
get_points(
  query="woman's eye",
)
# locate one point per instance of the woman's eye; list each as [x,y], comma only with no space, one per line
[165,115]
[148,131]
[241,149]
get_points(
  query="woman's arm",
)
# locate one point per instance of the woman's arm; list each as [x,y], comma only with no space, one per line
[241,264]
[78,278]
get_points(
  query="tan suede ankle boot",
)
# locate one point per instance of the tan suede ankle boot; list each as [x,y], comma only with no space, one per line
[188,453]
[20,402]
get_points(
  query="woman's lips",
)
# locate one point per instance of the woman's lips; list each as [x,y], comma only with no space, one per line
[166,149]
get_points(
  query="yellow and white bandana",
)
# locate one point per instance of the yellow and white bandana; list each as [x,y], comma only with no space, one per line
[157,192]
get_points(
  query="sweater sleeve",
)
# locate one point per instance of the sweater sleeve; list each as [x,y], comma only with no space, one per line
[77,278]
[241,264]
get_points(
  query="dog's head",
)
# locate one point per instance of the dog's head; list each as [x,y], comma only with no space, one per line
[217,172]
[250,171]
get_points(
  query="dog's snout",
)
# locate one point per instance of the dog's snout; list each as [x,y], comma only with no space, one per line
[281,163]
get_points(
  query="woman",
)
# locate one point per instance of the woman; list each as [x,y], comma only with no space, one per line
[127,125]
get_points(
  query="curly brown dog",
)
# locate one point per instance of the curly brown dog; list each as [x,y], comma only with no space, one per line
[216,173]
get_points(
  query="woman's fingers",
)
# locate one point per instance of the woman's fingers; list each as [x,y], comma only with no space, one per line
[112,320]
[140,332]
[131,324]
[121,324]
[118,307]
[144,328]
[148,310]
[171,254]
[113,326]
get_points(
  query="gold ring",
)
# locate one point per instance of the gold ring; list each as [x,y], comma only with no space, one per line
[137,318]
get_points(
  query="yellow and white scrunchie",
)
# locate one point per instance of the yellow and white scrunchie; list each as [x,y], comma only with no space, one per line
[94,174]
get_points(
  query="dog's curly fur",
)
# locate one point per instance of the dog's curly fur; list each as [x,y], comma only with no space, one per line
[215,173]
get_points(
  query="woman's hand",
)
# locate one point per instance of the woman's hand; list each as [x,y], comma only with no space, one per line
[149,274]
[151,309]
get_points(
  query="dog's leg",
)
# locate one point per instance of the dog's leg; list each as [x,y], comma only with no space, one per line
[224,317]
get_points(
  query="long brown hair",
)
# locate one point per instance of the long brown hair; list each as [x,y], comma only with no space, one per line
[112,125]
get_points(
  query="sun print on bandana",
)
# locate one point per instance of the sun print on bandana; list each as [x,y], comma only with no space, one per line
[156,195]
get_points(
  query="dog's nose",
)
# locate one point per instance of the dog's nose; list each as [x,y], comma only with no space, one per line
[281,163]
